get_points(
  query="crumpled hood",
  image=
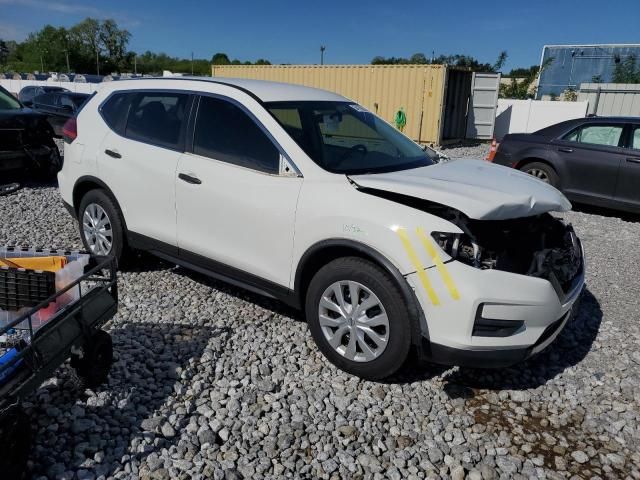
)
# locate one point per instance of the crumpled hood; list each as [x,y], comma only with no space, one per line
[480,190]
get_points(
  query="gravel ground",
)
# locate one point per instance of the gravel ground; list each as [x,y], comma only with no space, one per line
[213,382]
[477,151]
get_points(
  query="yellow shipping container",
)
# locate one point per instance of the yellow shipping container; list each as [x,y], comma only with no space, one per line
[383,89]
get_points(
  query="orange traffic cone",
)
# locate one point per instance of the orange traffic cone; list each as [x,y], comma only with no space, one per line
[492,150]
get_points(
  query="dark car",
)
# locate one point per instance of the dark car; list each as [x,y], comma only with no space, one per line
[26,140]
[593,160]
[27,94]
[59,107]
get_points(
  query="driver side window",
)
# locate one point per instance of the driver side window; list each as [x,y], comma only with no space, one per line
[225,132]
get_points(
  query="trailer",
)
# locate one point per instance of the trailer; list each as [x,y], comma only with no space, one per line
[40,328]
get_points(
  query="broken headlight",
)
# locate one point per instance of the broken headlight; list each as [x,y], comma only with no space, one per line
[461,247]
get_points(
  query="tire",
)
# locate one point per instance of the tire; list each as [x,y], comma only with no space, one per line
[97,202]
[542,171]
[15,438]
[371,283]
[94,366]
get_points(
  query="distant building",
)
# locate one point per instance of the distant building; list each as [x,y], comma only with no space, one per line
[571,65]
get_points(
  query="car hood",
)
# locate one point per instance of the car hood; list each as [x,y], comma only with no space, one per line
[480,190]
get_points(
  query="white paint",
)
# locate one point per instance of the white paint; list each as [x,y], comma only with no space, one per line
[264,224]
[526,116]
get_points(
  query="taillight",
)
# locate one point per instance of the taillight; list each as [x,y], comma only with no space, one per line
[70,130]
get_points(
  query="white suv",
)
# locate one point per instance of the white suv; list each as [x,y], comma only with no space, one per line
[302,195]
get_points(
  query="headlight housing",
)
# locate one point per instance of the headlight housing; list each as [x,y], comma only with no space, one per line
[461,247]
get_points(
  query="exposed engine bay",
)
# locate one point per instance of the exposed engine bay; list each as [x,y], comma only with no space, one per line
[536,246]
[540,246]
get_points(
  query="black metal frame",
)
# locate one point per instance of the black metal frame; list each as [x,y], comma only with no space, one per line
[70,327]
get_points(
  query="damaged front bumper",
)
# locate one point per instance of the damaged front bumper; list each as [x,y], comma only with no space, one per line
[499,318]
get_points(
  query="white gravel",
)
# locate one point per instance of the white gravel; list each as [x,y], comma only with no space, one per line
[214,382]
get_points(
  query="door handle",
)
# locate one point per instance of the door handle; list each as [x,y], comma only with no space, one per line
[189,179]
[566,150]
[112,153]
[633,160]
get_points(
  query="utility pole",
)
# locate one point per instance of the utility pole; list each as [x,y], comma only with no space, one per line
[97,62]
[41,64]
[191,63]
[135,64]
[66,53]
[322,49]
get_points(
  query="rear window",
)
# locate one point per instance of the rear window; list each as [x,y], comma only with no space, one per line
[114,111]
[157,118]
[45,99]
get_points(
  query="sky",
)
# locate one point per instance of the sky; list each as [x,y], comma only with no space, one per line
[353,31]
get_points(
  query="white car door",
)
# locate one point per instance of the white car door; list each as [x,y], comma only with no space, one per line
[233,206]
[139,157]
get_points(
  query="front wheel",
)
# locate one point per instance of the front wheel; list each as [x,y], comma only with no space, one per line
[358,319]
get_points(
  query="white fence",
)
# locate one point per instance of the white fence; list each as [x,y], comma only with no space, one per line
[526,116]
[14,86]
[611,99]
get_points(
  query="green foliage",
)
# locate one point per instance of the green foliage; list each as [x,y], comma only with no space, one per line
[522,83]
[532,71]
[220,59]
[92,43]
[455,60]
[627,71]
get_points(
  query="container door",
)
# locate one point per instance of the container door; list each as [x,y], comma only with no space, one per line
[483,105]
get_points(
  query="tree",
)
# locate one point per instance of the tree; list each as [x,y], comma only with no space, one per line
[500,61]
[454,60]
[87,42]
[626,71]
[262,61]
[220,59]
[4,52]
[114,42]
[418,59]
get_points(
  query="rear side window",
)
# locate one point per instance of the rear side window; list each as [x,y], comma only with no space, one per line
[635,138]
[46,99]
[157,118]
[114,111]
[225,132]
[605,135]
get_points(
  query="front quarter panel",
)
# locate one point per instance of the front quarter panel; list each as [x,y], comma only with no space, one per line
[331,208]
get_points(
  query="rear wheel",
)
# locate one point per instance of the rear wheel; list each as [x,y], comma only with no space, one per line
[101,225]
[358,319]
[542,171]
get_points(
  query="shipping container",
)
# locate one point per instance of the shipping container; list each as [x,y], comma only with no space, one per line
[435,98]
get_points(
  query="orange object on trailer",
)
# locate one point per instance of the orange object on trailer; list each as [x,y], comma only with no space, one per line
[45,264]
[492,150]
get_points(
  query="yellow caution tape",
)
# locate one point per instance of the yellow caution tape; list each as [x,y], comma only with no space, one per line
[420,270]
[444,273]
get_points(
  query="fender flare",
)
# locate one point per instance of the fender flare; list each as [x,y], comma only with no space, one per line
[94,180]
[366,251]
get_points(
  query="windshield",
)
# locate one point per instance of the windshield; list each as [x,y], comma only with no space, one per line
[8,101]
[346,138]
